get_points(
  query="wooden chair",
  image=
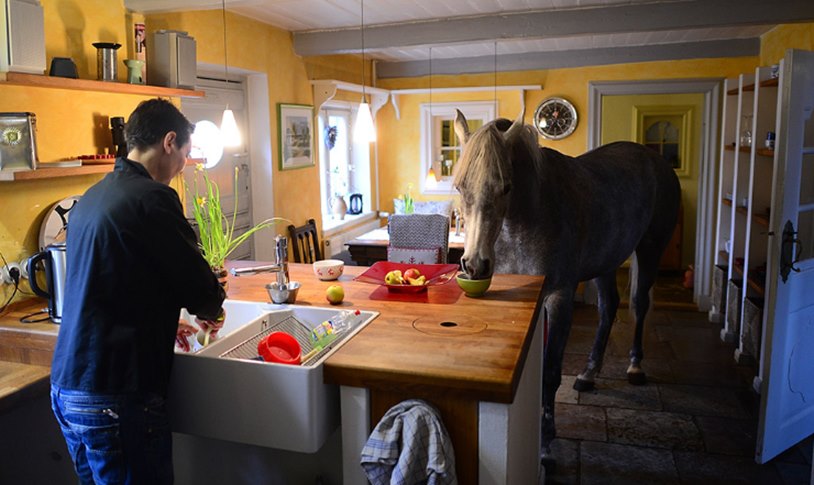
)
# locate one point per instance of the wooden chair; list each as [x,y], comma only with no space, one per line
[304,242]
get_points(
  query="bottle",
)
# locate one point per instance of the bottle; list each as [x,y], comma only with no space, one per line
[327,331]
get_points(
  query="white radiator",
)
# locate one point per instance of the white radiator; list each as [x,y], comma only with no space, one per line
[336,243]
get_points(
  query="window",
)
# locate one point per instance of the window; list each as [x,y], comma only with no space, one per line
[344,165]
[666,129]
[440,147]
[662,136]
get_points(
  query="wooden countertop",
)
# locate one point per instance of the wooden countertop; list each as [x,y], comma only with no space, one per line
[440,339]
[437,340]
[25,354]
[18,382]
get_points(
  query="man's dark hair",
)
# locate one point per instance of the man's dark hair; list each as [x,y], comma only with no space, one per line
[151,120]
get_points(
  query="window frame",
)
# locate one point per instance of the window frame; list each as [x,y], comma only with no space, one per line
[328,222]
[473,110]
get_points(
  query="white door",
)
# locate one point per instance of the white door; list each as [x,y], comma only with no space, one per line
[210,107]
[787,407]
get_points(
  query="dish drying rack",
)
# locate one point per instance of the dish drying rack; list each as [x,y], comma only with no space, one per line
[247,350]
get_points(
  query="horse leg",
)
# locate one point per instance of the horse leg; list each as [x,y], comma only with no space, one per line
[559,305]
[608,304]
[643,276]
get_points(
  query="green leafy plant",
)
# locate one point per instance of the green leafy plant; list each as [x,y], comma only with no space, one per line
[217,232]
[409,206]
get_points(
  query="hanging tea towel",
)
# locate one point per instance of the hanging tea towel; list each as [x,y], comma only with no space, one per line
[409,446]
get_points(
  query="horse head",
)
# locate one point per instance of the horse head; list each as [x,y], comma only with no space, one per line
[483,176]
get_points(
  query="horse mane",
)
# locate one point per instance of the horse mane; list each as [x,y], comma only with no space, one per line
[477,166]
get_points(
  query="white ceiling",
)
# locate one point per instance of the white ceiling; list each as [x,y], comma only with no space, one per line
[473,35]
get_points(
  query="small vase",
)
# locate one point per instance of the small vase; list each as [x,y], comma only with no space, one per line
[223,277]
[338,207]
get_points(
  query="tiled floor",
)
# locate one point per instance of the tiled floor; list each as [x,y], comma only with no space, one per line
[694,422]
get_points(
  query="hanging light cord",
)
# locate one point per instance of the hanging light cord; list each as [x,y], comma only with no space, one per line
[430,82]
[225,56]
[432,120]
[364,98]
[495,93]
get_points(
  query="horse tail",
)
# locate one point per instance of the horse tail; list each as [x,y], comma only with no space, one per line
[632,285]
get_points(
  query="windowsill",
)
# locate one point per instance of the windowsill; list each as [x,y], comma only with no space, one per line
[331,226]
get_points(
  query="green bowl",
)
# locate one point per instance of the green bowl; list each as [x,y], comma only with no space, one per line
[473,288]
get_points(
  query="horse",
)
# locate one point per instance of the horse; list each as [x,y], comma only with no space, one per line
[571,220]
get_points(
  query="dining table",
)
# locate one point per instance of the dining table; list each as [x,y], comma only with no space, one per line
[371,247]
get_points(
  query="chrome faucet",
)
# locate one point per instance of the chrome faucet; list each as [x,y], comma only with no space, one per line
[280,266]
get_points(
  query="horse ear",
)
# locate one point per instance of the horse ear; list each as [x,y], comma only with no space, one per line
[461,127]
[516,127]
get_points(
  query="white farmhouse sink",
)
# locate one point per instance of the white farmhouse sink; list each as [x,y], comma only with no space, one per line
[220,392]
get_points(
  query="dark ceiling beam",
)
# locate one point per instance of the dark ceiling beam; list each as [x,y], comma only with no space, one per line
[573,58]
[558,23]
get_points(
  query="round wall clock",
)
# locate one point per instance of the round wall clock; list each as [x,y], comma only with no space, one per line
[555,118]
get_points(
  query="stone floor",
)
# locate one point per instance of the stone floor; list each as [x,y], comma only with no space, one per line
[694,422]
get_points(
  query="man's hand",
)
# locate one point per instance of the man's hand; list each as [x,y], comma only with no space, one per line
[185,330]
[214,325]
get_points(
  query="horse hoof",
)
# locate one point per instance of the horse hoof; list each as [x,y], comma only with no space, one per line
[637,378]
[582,385]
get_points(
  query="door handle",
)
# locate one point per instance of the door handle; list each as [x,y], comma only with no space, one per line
[790,250]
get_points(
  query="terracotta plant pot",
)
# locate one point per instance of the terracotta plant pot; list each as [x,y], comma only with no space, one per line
[223,277]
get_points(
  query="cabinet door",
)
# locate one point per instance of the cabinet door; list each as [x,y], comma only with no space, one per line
[787,407]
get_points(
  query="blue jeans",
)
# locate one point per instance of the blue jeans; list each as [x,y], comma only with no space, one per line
[115,438]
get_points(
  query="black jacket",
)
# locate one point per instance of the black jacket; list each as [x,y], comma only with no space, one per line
[132,264]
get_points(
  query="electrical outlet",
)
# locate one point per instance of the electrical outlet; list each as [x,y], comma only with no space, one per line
[5,272]
[24,269]
[5,277]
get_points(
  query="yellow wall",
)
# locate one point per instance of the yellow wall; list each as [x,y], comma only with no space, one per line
[398,146]
[76,122]
[773,44]
[618,124]
[271,52]
[71,123]
[399,151]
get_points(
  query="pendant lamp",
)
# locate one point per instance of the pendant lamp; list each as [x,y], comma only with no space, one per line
[228,126]
[363,130]
[431,182]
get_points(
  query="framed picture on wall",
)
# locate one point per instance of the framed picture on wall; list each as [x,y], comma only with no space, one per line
[296,135]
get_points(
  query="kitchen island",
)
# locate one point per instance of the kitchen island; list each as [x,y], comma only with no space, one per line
[478,360]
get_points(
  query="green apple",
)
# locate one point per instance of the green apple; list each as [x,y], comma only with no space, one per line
[394,278]
[335,294]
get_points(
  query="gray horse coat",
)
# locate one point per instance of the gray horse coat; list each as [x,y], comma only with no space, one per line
[533,210]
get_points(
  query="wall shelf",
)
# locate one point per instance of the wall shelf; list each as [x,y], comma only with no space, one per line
[761,219]
[36,80]
[753,283]
[763,152]
[751,87]
[46,172]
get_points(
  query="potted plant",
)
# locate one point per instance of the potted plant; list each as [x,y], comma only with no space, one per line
[217,232]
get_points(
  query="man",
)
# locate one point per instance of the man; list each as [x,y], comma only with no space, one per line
[132,264]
